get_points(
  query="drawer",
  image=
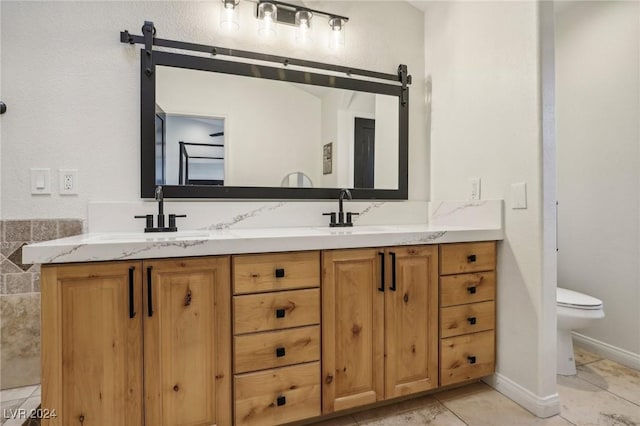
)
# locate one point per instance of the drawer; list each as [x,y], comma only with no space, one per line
[277,396]
[467,288]
[276,348]
[471,318]
[467,357]
[467,257]
[254,273]
[274,311]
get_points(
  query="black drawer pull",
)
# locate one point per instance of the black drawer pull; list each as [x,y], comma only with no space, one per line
[280,273]
[471,359]
[280,313]
[281,400]
[472,320]
[471,290]
[280,352]
[471,258]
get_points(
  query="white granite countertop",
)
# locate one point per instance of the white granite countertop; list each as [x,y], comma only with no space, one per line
[139,245]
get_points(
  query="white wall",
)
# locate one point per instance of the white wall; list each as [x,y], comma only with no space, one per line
[386,152]
[73,88]
[260,151]
[482,62]
[598,86]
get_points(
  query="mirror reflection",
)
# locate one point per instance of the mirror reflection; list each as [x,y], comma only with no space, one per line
[231,130]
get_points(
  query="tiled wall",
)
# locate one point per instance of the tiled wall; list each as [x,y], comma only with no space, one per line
[20,297]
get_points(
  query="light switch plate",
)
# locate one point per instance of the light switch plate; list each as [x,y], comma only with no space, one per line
[40,181]
[519,195]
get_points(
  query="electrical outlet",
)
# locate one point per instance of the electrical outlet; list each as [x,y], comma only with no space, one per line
[475,188]
[68,181]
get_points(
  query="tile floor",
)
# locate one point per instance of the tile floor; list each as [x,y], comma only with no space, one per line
[603,393]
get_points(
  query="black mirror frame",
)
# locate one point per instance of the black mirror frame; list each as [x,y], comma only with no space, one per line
[147,127]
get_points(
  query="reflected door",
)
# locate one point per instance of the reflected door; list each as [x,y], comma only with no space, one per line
[364,152]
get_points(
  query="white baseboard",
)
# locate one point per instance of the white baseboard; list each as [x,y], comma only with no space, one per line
[540,406]
[607,351]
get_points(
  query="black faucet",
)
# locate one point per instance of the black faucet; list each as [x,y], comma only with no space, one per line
[341,217]
[149,217]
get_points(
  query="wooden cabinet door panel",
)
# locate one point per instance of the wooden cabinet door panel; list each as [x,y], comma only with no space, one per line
[411,320]
[353,329]
[92,348]
[187,342]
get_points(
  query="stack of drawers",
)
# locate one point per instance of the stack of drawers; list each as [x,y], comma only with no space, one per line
[276,341]
[467,311]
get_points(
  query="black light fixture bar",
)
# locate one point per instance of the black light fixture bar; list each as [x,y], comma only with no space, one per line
[126,37]
[289,18]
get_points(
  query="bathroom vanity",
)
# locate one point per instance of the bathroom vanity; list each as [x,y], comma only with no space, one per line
[325,321]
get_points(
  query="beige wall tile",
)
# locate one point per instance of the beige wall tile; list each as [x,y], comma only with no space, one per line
[19,340]
[18,283]
[69,227]
[44,230]
[17,230]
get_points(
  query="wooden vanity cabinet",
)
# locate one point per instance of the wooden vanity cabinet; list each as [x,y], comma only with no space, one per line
[379,324]
[92,344]
[467,311]
[187,347]
[276,327]
[103,334]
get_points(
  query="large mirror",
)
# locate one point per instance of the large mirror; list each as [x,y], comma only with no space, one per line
[228,129]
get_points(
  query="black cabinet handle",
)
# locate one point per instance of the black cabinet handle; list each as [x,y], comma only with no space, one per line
[472,320]
[393,271]
[280,352]
[280,313]
[280,273]
[149,291]
[381,254]
[471,290]
[281,400]
[471,359]
[132,311]
[3,107]
[471,258]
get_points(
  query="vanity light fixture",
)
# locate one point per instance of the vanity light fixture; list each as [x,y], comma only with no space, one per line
[229,20]
[272,12]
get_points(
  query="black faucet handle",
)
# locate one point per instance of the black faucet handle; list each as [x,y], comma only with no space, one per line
[350,217]
[172,219]
[332,218]
[149,219]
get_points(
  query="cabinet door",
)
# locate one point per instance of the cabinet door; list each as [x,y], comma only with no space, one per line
[92,344]
[411,320]
[352,329]
[187,342]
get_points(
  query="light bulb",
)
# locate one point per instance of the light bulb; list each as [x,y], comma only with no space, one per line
[303,26]
[268,16]
[229,20]
[337,33]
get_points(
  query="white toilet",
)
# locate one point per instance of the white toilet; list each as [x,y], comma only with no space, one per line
[575,310]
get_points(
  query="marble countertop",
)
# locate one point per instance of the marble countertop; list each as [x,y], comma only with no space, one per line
[139,245]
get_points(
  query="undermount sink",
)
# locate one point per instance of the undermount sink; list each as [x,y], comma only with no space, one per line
[150,236]
[365,229]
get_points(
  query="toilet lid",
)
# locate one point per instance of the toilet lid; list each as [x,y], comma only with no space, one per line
[573,299]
